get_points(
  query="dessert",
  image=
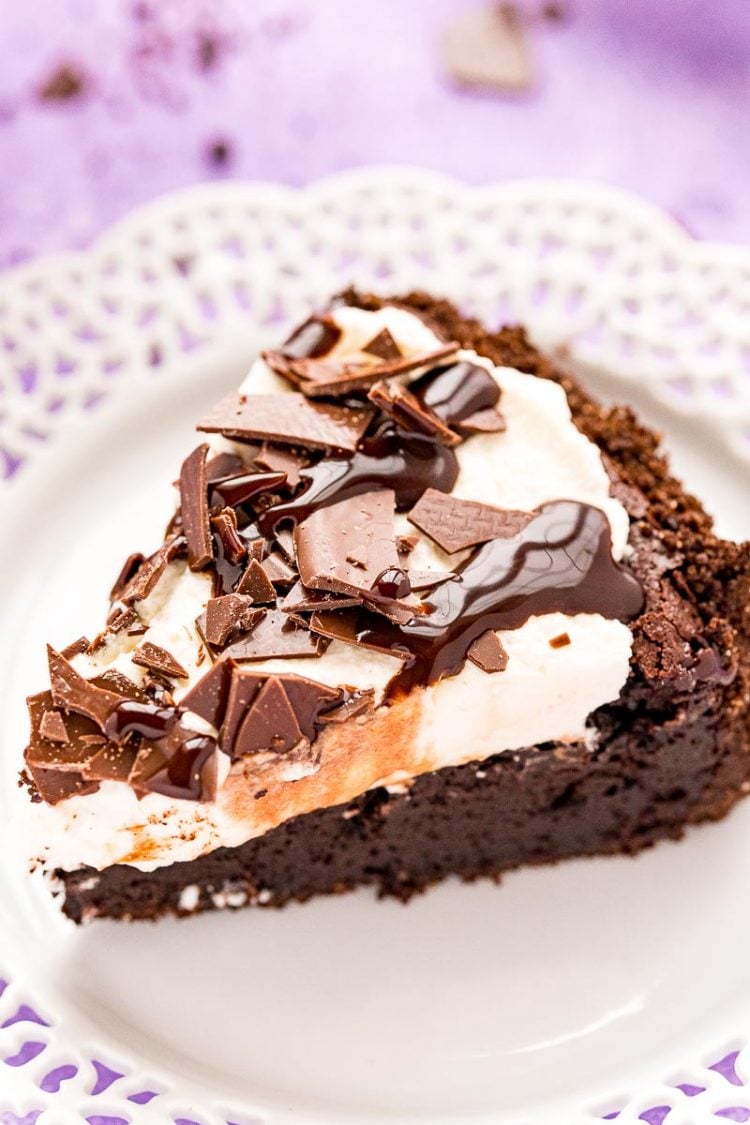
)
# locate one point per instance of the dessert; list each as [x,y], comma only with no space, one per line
[424,608]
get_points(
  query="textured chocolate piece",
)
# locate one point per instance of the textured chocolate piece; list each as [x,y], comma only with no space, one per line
[52,727]
[280,460]
[226,615]
[208,698]
[275,635]
[73,693]
[256,583]
[111,763]
[456,524]
[194,508]
[316,378]
[149,572]
[158,660]
[407,412]
[361,527]
[383,346]
[488,653]
[128,571]
[288,419]
[270,722]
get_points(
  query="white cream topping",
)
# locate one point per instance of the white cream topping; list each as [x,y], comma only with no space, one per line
[544,694]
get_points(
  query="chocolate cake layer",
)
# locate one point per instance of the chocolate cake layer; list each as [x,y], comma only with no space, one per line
[675,748]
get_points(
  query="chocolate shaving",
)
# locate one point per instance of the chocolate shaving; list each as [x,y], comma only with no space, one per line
[270,723]
[488,421]
[73,693]
[225,616]
[278,571]
[316,377]
[194,508]
[355,704]
[301,600]
[208,698]
[158,660]
[488,653]
[275,635]
[324,541]
[345,625]
[243,688]
[74,648]
[408,413]
[128,571]
[456,524]
[562,640]
[52,727]
[223,466]
[285,540]
[280,460]
[149,572]
[256,583]
[288,419]
[234,549]
[383,346]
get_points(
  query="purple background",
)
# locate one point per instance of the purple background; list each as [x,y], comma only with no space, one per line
[652,95]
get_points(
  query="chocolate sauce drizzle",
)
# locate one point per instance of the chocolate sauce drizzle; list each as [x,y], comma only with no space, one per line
[407,463]
[457,391]
[561,562]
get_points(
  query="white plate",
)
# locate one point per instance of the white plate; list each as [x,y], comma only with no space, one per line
[565,994]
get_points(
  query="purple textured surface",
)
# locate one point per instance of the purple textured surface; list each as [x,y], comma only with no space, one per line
[649,96]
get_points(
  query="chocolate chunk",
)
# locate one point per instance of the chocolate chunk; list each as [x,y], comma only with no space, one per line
[158,660]
[278,571]
[275,635]
[244,685]
[225,616]
[383,346]
[149,572]
[301,600]
[182,765]
[208,698]
[362,524]
[487,653]
[52,726]
[489,421]
[43,751]
[111,763]
[456,524]
[346,624]
[488,47]
[285,540]
[560,641]
[128,571]
[408,413]
[256,583]
[223,466]
[74,648]
[233,548]
[355,704]
[73,693]
[428,579]
[270,723]
[279,460]
[58,785]
[463,395]
[236,490]
[316,337]
[316,377]
[288,419]
[194,507]
[309,700]
[120,617]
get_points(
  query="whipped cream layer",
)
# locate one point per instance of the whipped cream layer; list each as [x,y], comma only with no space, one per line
[544,694]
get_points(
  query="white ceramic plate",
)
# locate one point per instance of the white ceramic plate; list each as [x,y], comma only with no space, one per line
[566,994]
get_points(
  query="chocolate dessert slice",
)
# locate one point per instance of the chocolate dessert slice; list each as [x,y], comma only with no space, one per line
[424,608]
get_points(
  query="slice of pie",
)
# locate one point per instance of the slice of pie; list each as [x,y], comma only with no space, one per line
[424,608]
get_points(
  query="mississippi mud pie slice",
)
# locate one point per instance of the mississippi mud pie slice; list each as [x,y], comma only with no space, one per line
[423,608]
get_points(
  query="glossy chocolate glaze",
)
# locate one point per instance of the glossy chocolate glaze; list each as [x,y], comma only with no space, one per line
[313,339]
[457,391]
[407,463]
[561,562]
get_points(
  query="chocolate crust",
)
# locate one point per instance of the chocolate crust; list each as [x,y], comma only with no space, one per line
[674,750]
